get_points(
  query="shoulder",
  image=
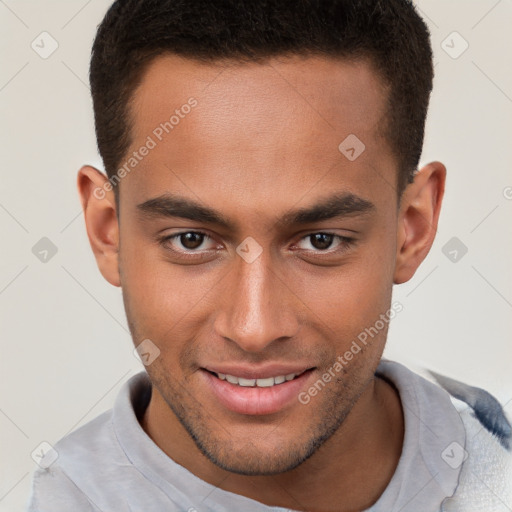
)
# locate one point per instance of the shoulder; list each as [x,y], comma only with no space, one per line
[76,472]
[480,405]
[484,407]
[485,482]
[476,437]
[53,491]
[53,485]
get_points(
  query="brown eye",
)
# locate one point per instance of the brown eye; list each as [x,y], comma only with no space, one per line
[188,242]
[321,241]
[191,240]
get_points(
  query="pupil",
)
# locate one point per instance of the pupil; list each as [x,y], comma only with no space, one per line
[191,240]
[321,240]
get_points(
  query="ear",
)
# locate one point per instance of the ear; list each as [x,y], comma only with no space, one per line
[417,219]
[98,204]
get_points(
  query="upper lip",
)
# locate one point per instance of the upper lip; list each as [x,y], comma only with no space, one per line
[258,372]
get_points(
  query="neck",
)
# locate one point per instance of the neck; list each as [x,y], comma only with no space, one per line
[347,473]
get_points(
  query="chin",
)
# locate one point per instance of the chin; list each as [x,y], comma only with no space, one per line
[264,454]
[254,461]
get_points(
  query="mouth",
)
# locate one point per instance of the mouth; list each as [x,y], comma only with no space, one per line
[267,382]
[256,394]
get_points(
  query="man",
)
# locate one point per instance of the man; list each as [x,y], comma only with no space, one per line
[262,198]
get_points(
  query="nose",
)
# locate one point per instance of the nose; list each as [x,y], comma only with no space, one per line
[256,306]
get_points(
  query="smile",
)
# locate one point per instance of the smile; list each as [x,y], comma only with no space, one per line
[254,394]
[260,383]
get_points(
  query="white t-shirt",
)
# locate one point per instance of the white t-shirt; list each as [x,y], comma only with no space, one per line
[111,465]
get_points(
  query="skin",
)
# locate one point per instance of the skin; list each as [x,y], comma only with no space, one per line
[262,141]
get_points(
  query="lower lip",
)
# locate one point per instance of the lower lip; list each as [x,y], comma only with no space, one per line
[255,400]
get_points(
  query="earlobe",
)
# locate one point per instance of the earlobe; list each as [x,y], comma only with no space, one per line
[99,207]
[418,218]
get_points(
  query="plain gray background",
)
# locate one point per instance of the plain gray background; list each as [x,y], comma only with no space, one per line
[66,349]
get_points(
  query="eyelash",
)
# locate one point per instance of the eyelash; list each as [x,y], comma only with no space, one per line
[344,244]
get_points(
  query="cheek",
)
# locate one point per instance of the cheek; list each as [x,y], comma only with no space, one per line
[351,295]
[155,296]
[164,299]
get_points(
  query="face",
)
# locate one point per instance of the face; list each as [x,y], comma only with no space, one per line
[252,246]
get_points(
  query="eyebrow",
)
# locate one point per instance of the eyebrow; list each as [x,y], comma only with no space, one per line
[333,206]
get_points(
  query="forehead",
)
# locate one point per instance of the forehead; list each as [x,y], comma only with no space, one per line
[328,91]
[255,124]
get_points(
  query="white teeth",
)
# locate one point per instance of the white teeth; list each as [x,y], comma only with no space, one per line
[261,383]
[265,383]
[246,382]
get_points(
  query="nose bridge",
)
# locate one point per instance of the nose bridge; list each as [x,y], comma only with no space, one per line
[257,311]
